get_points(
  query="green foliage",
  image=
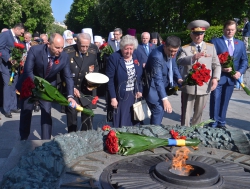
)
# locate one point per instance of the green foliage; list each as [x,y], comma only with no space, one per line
[54,28]
[35,14]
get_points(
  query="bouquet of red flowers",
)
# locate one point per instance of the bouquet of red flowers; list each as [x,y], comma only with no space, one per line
[105,48]
[42,89]
[197,75]
[226,61]
[17,53]
[131,143]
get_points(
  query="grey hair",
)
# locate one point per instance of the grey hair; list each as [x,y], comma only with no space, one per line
[118,29]
[83,36]
[52,37]
[28,33]
[128,40]
[144,34]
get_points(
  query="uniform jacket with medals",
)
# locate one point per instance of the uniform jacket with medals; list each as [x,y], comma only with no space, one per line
[210,59]
[80,65]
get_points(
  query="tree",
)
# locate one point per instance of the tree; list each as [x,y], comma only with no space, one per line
[35,14]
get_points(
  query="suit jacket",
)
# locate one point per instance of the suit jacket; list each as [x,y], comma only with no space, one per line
[141,50]
[239,57]
[6,44]
[112,44]
[211,61]
[246,30]
[80,65]
[157,70]
[117,73]
[36,65]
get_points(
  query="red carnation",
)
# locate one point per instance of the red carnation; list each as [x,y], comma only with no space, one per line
[112,142]
[57,61]
[106,128]
[236,42]
[95,99]
[136,62]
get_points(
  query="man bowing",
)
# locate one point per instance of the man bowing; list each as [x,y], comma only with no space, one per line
[44,61]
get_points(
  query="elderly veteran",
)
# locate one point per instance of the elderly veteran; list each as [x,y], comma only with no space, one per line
[194,98]
[124,70]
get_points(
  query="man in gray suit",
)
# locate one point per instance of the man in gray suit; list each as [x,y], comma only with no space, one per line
[115,44]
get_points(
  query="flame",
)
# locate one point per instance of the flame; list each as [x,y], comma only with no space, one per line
[179,161]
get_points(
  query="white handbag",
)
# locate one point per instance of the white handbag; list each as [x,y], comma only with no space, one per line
[141,110]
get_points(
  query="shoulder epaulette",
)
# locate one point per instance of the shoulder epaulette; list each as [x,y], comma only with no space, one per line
[210,44]
[92,51]
[186,45]
[69,49]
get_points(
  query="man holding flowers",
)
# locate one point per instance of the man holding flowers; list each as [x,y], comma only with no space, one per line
[7,41]
[220,97]
[44,61]
[197,54]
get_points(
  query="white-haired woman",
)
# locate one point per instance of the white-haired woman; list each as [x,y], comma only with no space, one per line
[124,70]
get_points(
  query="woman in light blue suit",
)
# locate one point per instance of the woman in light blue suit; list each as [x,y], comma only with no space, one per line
[220,97]
[124,70]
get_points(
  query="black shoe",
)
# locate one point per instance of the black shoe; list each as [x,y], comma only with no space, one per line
[37,108]
[16,111]
[221,126]
[23,139]
[8,115]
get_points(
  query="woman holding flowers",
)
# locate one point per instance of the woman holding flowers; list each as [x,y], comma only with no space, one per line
[124,70]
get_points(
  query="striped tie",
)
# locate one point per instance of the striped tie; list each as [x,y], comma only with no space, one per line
[50,63]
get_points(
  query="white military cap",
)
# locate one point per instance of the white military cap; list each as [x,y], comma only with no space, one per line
[89,31]
[198,26]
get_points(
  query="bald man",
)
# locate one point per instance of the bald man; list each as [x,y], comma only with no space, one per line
[38,63]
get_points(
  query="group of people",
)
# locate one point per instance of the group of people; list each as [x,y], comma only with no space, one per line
[150,71]
[135,70]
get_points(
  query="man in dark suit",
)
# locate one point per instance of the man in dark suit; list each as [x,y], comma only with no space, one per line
[246,32]
[115,44]
[145,48]
[161,70]
[82,60]
[7,40]
[44,61]
[219,98]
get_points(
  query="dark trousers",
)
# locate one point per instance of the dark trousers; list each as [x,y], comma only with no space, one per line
[25,119]
[86,121]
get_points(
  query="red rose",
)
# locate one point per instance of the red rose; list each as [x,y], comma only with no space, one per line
[57,61]
[27,86]
[19,45]
[103,46]
[95,99]
[106,128]
[112,133]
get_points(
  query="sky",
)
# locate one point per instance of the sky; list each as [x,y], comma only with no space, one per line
[60,8]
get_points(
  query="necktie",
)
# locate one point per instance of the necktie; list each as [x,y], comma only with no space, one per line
[170,73]
[199,48]
[15,38]
[117,46]
[230,48]
[146,49]
[50,63]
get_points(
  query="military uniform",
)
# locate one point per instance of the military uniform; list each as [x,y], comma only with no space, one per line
[194,97]
[80,65]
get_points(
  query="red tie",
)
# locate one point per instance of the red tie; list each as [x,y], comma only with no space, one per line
[50,63]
